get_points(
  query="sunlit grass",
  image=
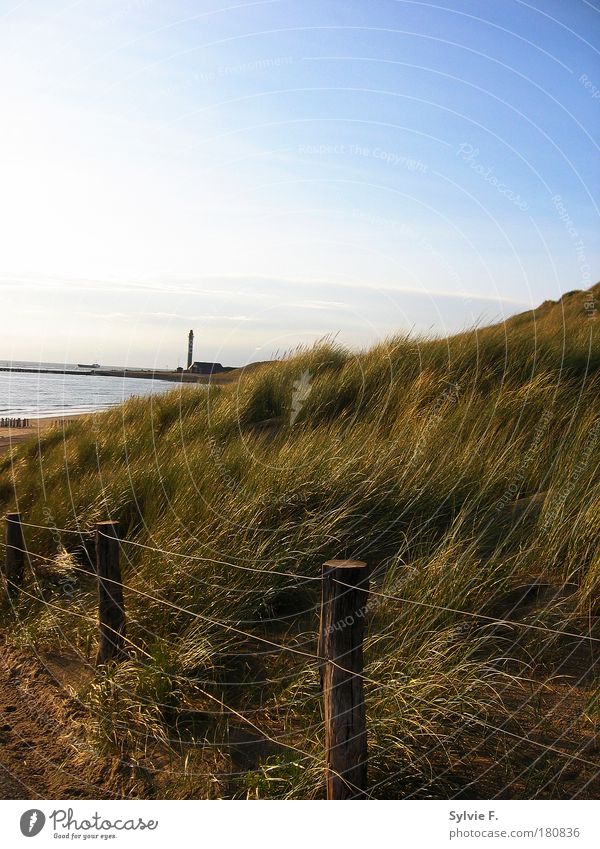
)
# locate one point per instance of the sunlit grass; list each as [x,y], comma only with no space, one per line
[407,455]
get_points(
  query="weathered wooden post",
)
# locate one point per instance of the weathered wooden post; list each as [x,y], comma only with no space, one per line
[111,611]
[15,554]
[343,607]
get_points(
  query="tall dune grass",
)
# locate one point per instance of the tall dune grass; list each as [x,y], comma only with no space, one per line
[408,455]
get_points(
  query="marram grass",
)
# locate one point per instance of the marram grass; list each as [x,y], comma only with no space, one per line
[409,455]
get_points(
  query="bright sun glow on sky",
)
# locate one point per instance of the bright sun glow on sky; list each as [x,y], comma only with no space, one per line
[273,172]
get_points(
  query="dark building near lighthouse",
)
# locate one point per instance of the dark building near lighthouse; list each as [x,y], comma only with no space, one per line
[196,367]
[206,368]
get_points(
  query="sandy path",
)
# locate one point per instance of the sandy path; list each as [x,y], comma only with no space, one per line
[43,753]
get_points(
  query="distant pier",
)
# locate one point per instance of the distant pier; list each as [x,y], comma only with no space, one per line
[43,370]
[140,374]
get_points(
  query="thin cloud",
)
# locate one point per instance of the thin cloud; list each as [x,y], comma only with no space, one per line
[203,285]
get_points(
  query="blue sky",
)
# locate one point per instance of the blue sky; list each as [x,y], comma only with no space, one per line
[273,172]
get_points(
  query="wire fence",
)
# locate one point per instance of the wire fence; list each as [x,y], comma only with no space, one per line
[335,656]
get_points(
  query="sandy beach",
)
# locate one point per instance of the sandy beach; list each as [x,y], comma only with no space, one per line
[11,436]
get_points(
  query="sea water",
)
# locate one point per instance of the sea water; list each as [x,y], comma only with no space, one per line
[27,395]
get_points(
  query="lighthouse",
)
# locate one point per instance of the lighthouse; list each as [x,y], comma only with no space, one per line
[190,357]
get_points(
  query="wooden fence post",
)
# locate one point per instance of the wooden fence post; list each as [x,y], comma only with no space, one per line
[15,554]
[343,607]
[111,612]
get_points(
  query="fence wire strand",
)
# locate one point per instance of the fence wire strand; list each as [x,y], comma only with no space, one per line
[308,656]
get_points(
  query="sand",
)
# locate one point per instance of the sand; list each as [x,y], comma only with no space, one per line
[11,436]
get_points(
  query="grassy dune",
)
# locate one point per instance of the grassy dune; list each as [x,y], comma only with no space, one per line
[416,455]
